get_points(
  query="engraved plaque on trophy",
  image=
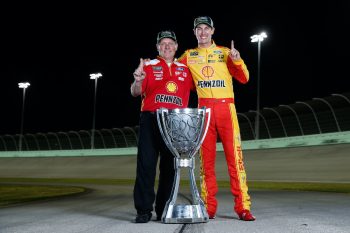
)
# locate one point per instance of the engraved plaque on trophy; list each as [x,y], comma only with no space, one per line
[183,131]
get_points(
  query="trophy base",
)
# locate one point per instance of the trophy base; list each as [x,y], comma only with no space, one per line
[185,214]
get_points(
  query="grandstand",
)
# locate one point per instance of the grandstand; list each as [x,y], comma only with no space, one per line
[316,116]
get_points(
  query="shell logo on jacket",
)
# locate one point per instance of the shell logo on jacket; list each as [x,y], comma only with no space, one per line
[171,87]
[208,71]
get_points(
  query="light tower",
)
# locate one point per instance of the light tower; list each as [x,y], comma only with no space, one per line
[258,38]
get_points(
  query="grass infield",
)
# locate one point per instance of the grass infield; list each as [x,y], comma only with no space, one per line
[12,194]
[19,190]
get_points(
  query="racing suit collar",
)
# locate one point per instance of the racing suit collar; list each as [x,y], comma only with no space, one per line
[163,60]
[213,45]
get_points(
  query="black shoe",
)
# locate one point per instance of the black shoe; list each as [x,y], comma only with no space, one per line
[143,218]
[159,218]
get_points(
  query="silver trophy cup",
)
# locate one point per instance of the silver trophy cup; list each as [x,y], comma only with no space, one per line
[183,131]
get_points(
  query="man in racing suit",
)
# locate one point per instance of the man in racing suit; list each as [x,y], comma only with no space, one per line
[212,69]
[161,82]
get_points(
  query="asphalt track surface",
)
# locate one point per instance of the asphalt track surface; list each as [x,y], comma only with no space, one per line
[109,208]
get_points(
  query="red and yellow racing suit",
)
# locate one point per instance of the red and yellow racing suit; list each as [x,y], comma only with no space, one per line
[212,71]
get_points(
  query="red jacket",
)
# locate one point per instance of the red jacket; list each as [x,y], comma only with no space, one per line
[165,86]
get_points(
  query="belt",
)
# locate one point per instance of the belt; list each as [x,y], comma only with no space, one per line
[215,100]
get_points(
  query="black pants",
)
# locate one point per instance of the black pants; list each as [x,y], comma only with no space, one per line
[150,146]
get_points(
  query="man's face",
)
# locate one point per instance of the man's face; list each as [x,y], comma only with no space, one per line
[167,48]
[203,33]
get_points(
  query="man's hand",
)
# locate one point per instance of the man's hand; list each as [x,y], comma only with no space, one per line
[140,74]
[234,54]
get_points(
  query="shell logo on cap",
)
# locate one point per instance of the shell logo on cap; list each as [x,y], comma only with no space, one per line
[171,87]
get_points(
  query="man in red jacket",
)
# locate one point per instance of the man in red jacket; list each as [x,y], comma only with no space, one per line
[161,82]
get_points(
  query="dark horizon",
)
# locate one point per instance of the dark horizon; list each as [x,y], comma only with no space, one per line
[304,56]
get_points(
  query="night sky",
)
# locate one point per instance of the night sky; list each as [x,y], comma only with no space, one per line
[56,47]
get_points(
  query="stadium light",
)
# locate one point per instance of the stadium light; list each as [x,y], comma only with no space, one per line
[95,76]
[24,86]
[258,38]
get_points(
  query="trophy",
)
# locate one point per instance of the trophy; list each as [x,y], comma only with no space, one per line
[183,131]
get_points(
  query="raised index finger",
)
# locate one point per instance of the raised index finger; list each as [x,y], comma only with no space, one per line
[232,44]
[141,63]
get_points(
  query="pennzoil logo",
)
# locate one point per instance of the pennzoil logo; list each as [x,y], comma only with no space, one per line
[211,83]
[171,87]
[169,99]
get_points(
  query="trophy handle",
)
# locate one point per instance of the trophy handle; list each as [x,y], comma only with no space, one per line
[204,133]
[165,136]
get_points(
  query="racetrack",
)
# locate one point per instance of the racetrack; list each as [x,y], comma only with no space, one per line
[329,163]
[109,208]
